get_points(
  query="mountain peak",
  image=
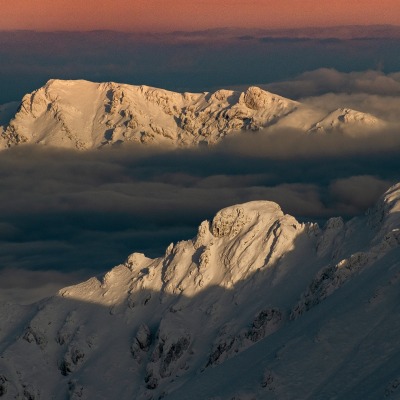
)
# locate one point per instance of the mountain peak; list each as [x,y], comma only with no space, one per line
[55,82]
[258,99]
[84,115]
[230,220]
[349,120]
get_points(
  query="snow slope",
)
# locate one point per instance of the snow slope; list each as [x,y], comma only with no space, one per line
[256,306]
[350,121]
[83,115]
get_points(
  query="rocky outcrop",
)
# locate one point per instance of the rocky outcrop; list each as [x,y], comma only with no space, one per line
[141,342]
[265,323]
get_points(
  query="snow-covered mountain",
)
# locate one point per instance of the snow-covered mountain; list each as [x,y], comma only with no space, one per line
[256,306]
[83,115]
[347,120]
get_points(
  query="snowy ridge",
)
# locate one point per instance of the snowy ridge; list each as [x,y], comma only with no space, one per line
[83,115]
[182,325]
[350,121]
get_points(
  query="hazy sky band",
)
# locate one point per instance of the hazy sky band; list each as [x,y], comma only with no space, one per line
[159,15]
[176,62]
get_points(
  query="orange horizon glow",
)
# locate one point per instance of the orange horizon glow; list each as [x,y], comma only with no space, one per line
[167,15]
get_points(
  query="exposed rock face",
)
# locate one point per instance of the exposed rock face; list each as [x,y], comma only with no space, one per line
[252,278]
[34,336]
[3,385]
[141,342]
[265,323]
[85,115]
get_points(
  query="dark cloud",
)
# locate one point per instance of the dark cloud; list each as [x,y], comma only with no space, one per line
[183,61]
[25,286]
[357,192]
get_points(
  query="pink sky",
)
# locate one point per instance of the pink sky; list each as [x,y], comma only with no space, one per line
[160,15]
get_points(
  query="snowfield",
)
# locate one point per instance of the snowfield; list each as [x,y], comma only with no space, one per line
[256,306]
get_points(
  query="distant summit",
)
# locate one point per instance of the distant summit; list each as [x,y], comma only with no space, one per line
[347,120]
[84,115]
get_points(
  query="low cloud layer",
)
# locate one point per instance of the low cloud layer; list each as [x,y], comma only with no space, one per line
[357,192]
[292,144]
[25,286]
